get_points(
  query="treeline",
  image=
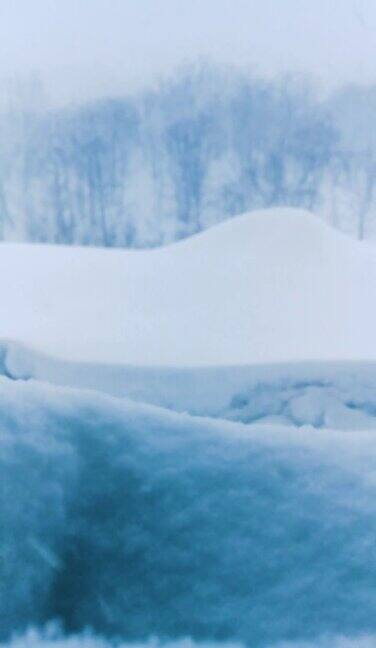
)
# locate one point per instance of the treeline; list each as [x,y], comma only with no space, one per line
[154,167]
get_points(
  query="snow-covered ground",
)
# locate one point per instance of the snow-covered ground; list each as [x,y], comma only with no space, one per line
[336,395]
[270,286]
[137,522]
[187,441]
[269,317]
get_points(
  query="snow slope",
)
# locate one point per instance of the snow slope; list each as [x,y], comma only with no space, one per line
[137,522]
[271,286]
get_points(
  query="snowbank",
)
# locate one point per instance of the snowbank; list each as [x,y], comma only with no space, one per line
[137,521]
[270,286]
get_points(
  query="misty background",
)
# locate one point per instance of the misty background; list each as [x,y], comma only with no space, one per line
[139,123]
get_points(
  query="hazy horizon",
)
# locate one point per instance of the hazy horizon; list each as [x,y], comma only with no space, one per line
[84,50]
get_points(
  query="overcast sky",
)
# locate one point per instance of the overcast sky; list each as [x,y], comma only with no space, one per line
[86,48]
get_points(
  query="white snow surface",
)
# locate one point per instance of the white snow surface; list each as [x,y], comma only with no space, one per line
[270,286]
[336,395]
[53,639]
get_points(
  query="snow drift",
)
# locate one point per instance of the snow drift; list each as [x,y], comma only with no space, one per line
[136,521]
[271,286]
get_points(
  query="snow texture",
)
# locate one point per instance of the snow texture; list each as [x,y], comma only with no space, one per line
[51,637]
[135,521]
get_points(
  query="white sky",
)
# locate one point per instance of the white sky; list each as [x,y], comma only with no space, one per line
[86,48]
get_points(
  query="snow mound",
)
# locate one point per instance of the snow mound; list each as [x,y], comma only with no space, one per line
[135,521]
[270,286]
